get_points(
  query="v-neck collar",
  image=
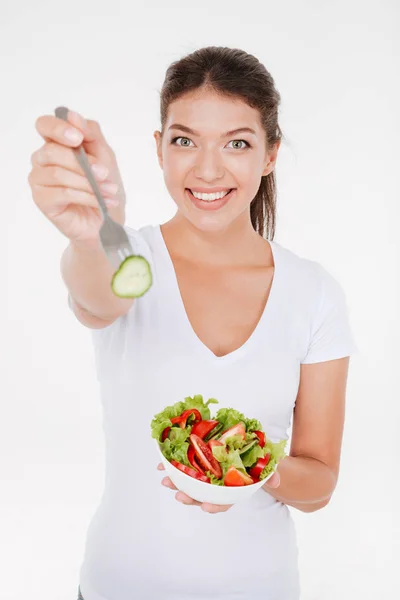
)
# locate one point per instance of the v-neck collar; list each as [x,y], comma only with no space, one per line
[167,270]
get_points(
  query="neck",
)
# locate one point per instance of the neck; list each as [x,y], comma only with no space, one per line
[238,244]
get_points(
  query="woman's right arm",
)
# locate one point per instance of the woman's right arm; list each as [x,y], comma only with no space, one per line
[63,194]
[87,274]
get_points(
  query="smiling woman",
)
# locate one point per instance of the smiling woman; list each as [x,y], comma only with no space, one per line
[243,167]
[231,314]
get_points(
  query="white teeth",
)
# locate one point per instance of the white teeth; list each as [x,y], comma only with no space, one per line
[209,197]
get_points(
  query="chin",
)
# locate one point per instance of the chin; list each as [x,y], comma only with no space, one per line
[209,223]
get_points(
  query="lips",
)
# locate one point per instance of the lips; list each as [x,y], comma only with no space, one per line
[210,205]
[197,191]
[210,191]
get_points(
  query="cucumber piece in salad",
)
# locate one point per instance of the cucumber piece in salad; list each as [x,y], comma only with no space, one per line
[133,278]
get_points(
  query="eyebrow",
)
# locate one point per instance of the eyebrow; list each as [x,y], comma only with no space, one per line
[192,132]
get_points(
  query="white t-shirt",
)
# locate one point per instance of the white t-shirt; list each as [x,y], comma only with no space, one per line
[142,543]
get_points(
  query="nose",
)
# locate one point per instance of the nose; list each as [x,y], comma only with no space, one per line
[209,166]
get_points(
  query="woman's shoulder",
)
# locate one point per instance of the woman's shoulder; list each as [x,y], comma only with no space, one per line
[308,276]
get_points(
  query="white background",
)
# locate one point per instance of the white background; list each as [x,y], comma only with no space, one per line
[336,66]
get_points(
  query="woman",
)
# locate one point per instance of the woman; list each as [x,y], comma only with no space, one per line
[231,314]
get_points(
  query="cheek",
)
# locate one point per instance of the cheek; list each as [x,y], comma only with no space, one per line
[174,178]
[248,178]
[175,170]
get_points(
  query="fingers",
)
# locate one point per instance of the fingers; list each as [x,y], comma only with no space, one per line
[168,483]
[55,176]
[274,481]
[185,499]
[53,129]
[51,200]
[74,132]
[215,508]
[52,154]
[180,496]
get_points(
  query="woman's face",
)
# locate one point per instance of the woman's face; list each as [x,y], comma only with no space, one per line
[213,144]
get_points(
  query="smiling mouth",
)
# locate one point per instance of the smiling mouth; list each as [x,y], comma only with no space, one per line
[210,197]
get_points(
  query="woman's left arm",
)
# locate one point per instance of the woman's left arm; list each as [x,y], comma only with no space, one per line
[308,476]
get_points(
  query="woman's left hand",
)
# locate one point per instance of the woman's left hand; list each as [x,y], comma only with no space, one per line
[181,497]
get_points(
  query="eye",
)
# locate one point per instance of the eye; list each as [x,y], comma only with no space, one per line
[242,142]
[173,141]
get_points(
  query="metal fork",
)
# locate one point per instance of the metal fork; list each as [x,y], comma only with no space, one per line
[113,237]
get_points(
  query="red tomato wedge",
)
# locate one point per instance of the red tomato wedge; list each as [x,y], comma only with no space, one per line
[190,472]
[203,428]
[193,461]
[261,438]
[238,429]
[234,477]
[205,456]
[255,471]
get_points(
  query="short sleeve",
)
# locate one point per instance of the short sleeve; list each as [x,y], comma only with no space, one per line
[331,336]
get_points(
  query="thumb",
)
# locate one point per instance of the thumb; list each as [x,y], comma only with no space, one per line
[94,141]
[274,481]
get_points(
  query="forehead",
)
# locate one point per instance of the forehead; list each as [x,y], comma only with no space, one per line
[206,111]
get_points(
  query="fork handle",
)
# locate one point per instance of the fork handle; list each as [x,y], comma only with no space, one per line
[61,112]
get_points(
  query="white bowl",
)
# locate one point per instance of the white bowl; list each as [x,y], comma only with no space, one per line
[207,492]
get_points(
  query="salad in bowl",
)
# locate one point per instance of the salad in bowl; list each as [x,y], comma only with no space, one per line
[221,459]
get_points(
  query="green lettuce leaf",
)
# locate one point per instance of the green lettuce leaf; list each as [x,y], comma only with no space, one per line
[250,457]
[253,425]
[175,451]
[277,451]
[235,442]
[230,417]
[213,479]
[220,453]
[228,459]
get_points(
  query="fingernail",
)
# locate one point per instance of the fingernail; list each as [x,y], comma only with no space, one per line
[100,171]
[112,201]
[109,188]
[72,135]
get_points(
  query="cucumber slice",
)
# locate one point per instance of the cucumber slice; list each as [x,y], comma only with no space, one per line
[248,446]
[133,278]
[214,433]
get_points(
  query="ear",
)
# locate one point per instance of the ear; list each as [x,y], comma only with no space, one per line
[271,158]
[157,137]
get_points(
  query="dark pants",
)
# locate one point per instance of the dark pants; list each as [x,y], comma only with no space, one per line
[80,597]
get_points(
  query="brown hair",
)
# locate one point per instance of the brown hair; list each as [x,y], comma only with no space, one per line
[232,72]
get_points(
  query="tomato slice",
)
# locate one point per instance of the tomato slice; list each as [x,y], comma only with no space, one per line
[203,428]
[193,461]
[190,472]
[238,429]
[255,471]
[205,456]
[234,477]
[261,438]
